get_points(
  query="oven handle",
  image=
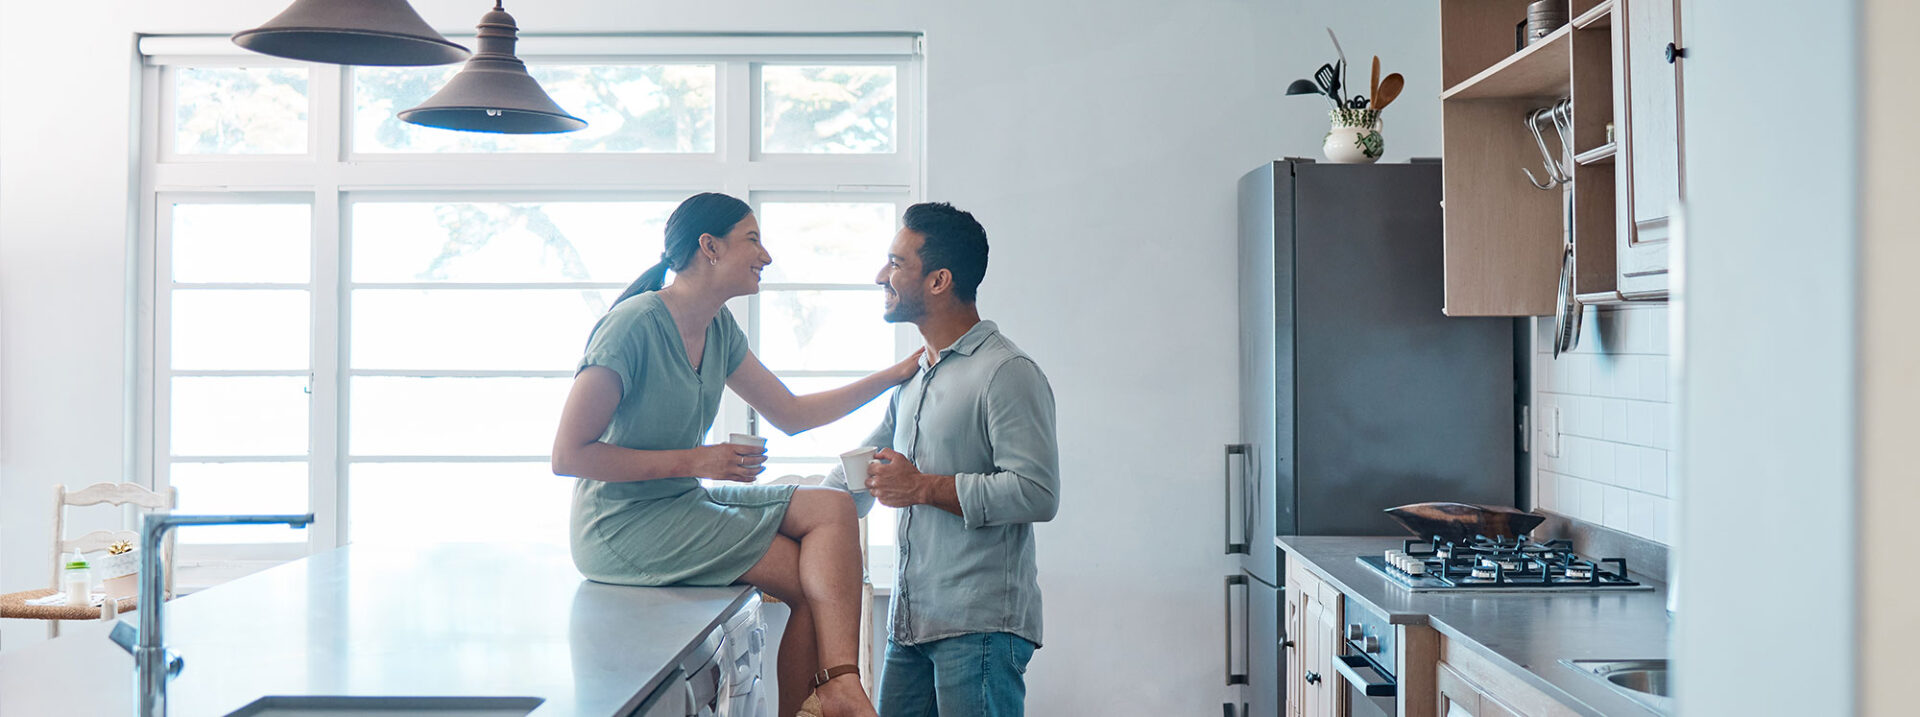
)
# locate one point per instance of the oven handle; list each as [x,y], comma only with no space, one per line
[1349,667]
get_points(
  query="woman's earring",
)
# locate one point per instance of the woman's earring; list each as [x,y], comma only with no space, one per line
[713,262]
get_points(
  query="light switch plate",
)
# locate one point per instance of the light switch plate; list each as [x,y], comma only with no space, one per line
[1550,431]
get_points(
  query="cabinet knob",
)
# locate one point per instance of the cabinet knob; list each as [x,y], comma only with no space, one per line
[1313,678]
[1288,644]
[1674,53]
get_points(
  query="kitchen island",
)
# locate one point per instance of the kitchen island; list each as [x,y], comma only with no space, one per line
[509,620]
[1523,636]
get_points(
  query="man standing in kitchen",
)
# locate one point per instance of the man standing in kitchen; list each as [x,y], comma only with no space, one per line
[967,451]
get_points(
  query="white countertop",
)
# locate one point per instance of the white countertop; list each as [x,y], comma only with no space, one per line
[441,620]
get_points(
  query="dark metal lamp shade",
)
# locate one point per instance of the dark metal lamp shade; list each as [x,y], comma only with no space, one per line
[494,93]
[352,32]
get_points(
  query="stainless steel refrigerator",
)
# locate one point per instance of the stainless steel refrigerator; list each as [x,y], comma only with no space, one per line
[1357,393]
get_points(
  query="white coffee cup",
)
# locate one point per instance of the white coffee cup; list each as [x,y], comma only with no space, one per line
[744,439]
[855,463]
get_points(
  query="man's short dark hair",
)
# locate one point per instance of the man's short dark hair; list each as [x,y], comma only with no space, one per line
[954,241]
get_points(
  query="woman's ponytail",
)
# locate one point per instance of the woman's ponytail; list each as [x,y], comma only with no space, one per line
[707,213]
[651,280]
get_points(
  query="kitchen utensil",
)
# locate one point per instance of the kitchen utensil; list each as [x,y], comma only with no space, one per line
[1567,312]
[1342,54]
[1340,79]
[1390,87]
[1373,83]
[1329,82]
[1462,521]
[1302,87]
[1357,102]
[1565,315]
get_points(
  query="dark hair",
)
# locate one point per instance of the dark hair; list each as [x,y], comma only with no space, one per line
[954,241]
[706,213]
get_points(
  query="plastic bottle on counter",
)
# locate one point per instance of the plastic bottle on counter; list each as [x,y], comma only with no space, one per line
[78,579]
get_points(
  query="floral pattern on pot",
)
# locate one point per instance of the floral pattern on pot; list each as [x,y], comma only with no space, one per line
[1354,137]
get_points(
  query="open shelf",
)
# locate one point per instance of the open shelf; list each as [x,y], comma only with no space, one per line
[1540,70]
[1602,154]
[1600,16]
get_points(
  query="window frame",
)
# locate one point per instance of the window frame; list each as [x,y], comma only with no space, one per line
[332,179]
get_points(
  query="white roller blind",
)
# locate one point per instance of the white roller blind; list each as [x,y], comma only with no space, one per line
[178,49]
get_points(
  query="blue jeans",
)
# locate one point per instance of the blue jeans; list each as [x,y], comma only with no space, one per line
[977,675]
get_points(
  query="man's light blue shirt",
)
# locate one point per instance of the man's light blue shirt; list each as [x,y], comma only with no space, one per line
[983,413]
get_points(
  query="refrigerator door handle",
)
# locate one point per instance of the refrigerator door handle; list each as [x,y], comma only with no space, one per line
[1246,506]
[1235,678]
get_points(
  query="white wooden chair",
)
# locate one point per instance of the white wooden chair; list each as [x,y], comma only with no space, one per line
[14,605]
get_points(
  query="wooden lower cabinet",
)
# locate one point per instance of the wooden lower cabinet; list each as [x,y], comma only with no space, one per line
[1314,614]
[1467,684]
[1438,677]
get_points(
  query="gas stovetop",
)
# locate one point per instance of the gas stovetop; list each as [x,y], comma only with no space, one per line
[1499,565]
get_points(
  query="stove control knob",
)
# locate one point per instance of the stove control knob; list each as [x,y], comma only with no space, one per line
[1370,644]
[1355,631]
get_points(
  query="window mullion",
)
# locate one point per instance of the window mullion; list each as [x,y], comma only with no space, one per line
[326,483]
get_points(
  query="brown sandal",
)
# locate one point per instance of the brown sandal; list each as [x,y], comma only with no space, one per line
[811,707]
[828,674]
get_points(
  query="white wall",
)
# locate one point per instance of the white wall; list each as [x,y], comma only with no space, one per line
[1098,141]
[1614,460]
[1768,424]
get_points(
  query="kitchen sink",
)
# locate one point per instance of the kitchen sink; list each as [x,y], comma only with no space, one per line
[274,706]
[1642,680]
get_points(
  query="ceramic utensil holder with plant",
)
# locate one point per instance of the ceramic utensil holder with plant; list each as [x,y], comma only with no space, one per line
[1354,137]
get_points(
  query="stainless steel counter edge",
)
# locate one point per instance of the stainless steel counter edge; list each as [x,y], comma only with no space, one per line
[431,620]
[1525,634]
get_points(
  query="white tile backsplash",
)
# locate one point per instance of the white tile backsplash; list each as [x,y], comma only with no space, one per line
[1615,422]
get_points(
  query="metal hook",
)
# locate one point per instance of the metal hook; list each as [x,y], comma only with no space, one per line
[1563,126]
[1553,167]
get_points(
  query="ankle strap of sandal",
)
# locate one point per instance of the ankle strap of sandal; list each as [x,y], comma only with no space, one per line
[828,674]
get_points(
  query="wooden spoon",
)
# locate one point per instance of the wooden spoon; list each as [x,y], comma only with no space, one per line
[1373,87]
[1390,87]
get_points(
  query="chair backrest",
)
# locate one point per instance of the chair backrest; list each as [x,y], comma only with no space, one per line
[120,494]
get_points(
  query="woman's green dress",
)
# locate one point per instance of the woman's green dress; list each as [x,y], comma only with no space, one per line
[668,531]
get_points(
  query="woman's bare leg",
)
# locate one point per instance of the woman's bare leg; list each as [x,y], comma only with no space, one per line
[778,574]
[821,564]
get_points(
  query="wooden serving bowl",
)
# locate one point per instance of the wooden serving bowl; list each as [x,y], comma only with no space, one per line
[1462,521]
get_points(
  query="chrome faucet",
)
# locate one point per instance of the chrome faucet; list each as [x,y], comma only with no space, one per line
[153,663]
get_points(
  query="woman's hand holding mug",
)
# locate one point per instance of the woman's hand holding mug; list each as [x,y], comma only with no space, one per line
[729,462]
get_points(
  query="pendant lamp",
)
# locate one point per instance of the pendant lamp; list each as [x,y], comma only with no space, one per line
[494,93]
[352,32]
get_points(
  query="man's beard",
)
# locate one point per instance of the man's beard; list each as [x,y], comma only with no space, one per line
[905,310]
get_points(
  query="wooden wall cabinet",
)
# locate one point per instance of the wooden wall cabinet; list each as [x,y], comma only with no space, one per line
[1504,236]
[1649,59]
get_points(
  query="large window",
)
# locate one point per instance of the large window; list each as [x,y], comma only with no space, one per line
[379,322]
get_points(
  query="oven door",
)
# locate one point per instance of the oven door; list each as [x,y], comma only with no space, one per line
[1371,690]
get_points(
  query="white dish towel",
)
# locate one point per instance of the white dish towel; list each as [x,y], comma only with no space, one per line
[56,599]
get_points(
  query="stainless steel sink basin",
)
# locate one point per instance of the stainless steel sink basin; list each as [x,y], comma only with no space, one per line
[275,706]
[1642,680]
